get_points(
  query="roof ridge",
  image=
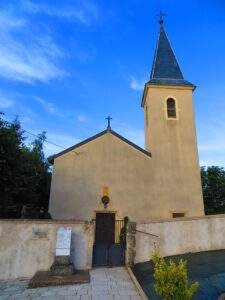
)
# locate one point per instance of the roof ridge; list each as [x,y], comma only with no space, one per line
[51,158]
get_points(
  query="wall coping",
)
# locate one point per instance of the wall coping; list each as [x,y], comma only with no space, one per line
[51,221]
[219,216]
[43,221]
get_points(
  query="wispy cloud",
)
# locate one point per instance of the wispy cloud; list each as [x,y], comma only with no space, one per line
[136,85]
[25,56]
[135,135]
[48,106]
[28,48]
[5,101]
[61,139]
[84,12]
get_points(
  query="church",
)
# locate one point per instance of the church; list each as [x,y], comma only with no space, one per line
[108,174]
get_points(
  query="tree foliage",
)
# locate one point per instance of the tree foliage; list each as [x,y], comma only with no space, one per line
[171,280]
[24,174]
[213,187]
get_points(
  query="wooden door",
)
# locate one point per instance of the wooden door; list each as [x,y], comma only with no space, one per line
[105,228]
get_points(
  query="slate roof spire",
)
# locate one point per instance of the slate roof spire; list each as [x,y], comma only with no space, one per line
[165,68]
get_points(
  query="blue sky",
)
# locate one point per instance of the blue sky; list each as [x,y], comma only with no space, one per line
[66,65]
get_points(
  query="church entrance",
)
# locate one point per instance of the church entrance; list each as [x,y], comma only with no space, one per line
[107,250]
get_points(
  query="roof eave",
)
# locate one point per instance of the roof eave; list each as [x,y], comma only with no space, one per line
[53,157]
[167,85]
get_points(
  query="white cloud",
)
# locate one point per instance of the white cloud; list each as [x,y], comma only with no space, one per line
[48,106]
[136,85]
[132,134]
[84,12]
[26,120]
[25,56]
[60,139]
[28,51]
[5,102]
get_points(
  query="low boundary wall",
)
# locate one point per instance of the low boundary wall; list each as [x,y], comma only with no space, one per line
[179,236]
[27,246]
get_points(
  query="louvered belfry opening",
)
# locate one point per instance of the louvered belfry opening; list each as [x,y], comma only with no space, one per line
[171,108]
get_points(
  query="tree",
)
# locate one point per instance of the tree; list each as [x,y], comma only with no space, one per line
[213,187]
[24,174]
[171,280]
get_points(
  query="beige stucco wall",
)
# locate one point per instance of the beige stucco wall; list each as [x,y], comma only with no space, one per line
[29,246]
[174,150]
[137,186]
[141,187]
[79,178]
[180,236]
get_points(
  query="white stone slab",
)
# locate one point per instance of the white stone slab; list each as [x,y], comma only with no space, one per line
[63,241]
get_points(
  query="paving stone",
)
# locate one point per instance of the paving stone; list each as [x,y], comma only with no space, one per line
[85,297]
[128,292]
[84,291]
[106,284]
[102,297]
[135,298]
[99,292]
[119,297]
[20,297]
[4,297]
[58,297]
[125,285]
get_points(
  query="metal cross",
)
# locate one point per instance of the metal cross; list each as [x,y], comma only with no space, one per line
[161,15]
[109,121]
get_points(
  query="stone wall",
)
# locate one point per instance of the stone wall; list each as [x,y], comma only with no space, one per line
[27,246]
[130,244]
[180,236]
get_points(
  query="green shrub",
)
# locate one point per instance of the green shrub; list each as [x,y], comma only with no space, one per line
[171,280]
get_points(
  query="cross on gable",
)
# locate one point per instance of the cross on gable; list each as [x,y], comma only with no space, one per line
[109,122]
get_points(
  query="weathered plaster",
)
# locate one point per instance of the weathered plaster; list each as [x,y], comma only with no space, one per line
[180,236]
[29,246]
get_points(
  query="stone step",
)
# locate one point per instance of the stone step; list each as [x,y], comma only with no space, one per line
[62,260]
[61,270]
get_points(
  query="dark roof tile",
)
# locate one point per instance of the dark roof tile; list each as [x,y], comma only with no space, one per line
[165,68]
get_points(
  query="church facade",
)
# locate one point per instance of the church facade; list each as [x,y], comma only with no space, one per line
[109,174]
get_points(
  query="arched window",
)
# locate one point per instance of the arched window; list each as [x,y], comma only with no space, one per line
[171,108]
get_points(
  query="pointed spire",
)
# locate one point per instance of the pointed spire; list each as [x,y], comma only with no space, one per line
[165,68]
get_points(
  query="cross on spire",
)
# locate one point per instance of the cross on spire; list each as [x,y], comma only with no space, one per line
[161,15]
[109,122]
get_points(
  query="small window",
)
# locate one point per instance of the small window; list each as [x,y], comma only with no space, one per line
[171,108]
[178,215]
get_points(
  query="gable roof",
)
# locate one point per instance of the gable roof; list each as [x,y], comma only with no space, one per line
[165,68]
[108,130]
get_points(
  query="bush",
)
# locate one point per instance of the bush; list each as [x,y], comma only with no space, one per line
[171,280]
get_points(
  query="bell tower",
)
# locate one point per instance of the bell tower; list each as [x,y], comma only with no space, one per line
[170,132]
